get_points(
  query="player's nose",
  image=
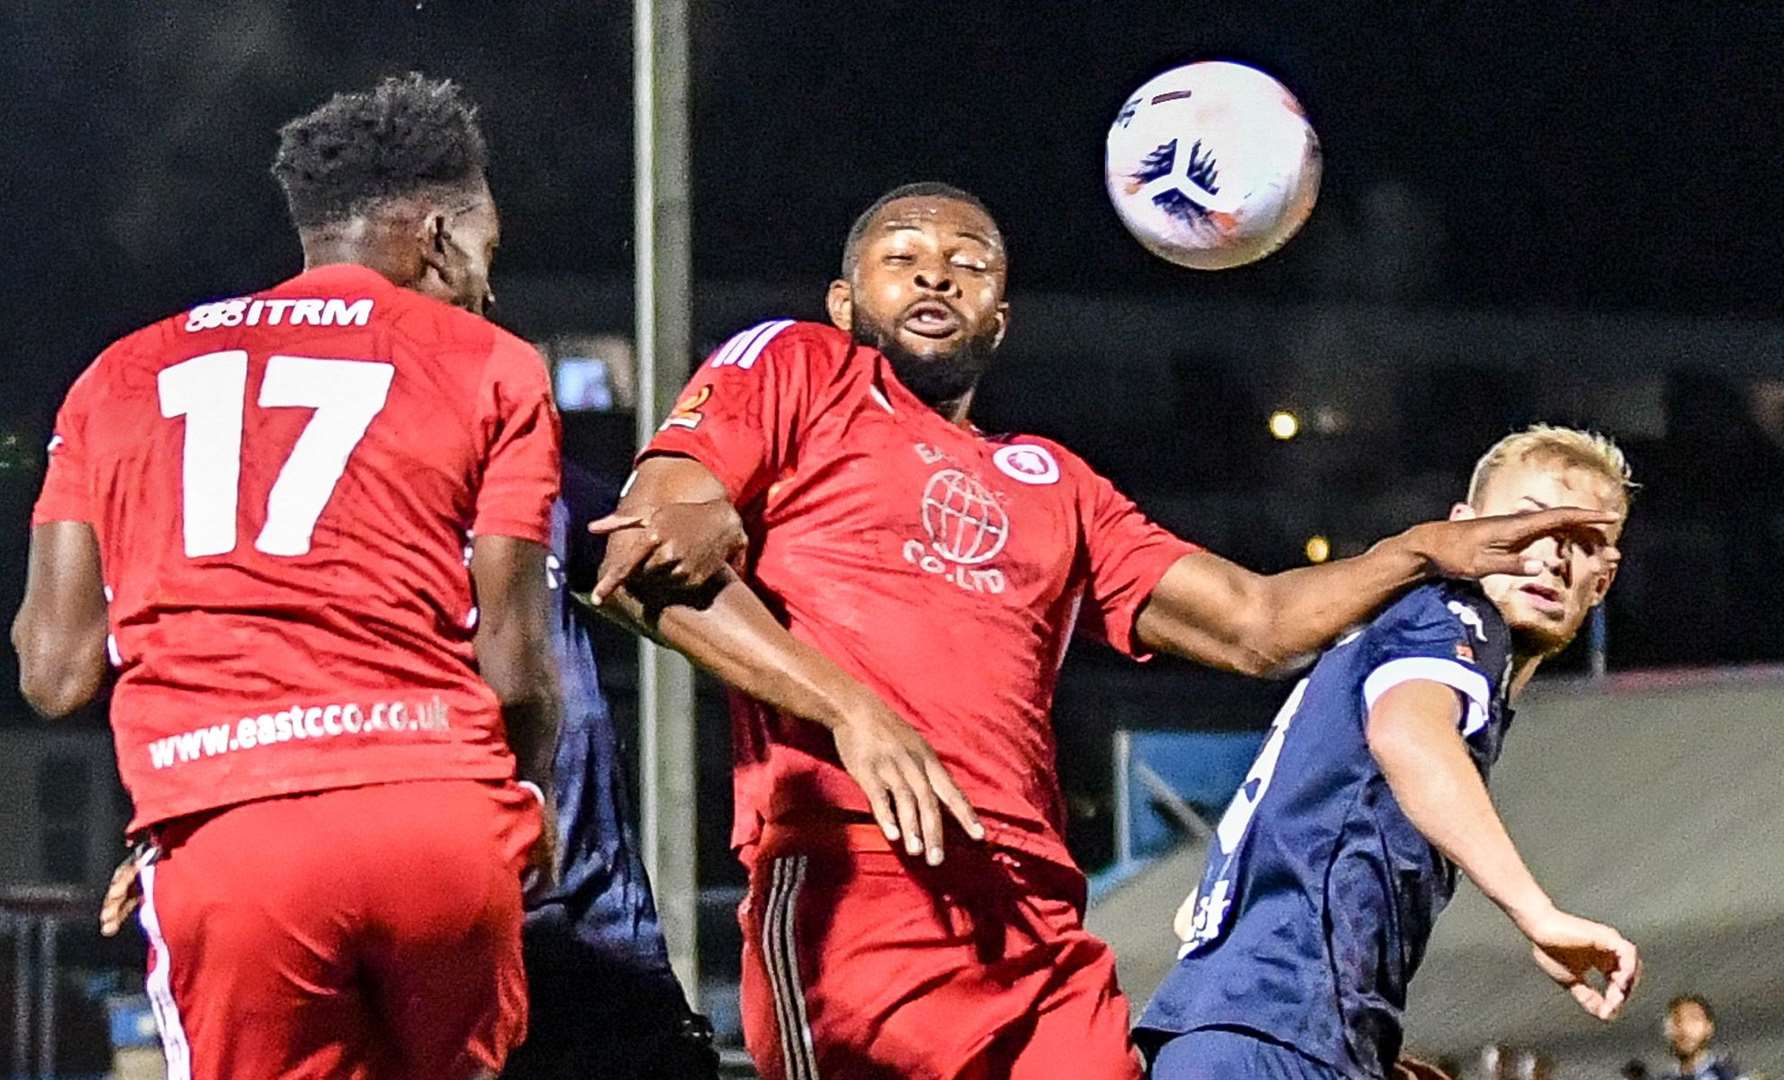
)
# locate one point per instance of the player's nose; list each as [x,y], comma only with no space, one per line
[935,278]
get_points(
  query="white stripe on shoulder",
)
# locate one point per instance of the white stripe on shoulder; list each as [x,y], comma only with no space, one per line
[748,360]
[743,349]
[1469,683]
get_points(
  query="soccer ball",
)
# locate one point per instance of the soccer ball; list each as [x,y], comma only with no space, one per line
[1212,165]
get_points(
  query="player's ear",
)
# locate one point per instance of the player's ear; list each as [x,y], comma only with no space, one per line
[1463,512]
[1003,322]
[1603,584]
[437,246]
[839,303]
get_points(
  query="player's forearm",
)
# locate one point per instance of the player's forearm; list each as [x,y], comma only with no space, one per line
[532,725]
[518,668]
[514,651]
[728,632]
[1428,768]
[1305,608]
[1215,612]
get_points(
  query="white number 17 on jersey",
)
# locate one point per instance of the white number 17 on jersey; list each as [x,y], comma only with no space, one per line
[210,392]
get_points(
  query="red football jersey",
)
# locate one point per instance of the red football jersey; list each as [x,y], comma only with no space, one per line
[942,567]
[283,487]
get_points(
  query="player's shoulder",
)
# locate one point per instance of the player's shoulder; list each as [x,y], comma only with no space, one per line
[509,353]
[778,343]
[1445,603]
[423,322]
[129,363]
[1449,616]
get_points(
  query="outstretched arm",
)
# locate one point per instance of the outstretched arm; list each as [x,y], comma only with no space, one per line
[1413,735]
[1217,612]
[60,629]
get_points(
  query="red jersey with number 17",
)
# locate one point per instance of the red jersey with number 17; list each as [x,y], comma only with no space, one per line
[942,567]
[283,487]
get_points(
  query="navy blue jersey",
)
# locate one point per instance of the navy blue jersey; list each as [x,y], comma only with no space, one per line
[605,1005]
[1319,895]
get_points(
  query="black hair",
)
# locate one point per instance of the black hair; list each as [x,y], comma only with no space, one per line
[1692,999]
[922,189]
[408,135]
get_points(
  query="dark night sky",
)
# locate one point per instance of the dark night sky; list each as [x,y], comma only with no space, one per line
[1573,155]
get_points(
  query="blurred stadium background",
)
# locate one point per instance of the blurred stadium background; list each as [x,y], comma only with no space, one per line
[1567,212]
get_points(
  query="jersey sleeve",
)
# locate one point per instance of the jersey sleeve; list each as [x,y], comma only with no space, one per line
[1445,636]
[520,426]
[1127,555]
[744,410]
[67,481]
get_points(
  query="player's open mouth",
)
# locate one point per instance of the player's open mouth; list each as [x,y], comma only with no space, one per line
[931,319]
[1547,599]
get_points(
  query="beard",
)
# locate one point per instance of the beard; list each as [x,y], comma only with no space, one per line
[939,380]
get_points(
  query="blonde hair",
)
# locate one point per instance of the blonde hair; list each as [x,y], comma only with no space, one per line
[1564,446]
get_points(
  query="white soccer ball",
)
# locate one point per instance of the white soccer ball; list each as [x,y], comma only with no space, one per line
[1212,165]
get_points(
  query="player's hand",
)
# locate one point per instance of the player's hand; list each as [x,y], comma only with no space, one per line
[1478,547]
[1413,1069]
[540,875]
[905,782]
[677,546]
[1569,949]
[122,897]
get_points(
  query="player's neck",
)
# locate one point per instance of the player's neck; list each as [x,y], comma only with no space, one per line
[955,412]
[359,247]
[1523,669]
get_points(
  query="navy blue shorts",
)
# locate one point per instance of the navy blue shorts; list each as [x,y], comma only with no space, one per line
[1227,1053]
[599,1012]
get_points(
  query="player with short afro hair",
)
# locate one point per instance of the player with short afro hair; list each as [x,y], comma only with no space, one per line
[406,136]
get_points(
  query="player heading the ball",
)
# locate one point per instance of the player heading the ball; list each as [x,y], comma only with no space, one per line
[909,586]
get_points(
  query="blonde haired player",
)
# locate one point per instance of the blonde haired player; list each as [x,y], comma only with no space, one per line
[1340,850]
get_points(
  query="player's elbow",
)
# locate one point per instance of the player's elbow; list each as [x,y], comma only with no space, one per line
[56,676]
[1262,648]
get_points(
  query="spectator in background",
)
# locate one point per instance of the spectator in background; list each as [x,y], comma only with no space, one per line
[1690,1025]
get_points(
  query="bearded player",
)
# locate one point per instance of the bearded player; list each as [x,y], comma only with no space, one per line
[260,507]
[910,587]
[1340,850]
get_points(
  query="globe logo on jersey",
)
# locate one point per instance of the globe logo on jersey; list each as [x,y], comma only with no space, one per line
[965,523]
[966,528]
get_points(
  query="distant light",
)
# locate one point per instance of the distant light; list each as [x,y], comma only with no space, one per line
[1284,425]
[1319,549]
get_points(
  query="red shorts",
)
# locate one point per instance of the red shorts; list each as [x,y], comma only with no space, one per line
[861,962]
[352,934]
